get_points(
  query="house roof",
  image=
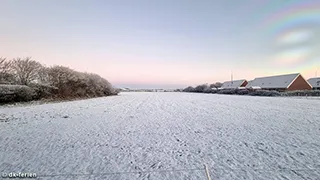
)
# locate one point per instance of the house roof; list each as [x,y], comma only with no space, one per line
[233,84]
[280,81]
[249,84]
[315,82]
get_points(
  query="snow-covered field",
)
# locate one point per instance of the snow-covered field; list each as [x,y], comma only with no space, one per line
[164,136]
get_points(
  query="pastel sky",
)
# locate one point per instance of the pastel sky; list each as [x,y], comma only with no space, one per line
[166,43]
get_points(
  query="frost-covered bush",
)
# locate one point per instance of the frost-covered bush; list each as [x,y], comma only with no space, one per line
[201,88]
[204,88]
[73,84]
[265,93]
[216,85]
[99,86]
[242,91]
[227,91]
[207,90]
[189,89]
[26,70]
[210,90]
[44,91]
[7,78]
[16,93]
[302,93]
[39,82]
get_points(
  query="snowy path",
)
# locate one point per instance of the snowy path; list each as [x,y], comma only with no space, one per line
[238,137]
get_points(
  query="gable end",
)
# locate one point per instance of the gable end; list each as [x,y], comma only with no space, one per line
[299,83]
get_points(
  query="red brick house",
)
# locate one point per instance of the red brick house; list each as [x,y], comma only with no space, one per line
[287,82]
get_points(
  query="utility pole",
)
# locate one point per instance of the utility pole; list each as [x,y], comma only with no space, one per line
[231,77]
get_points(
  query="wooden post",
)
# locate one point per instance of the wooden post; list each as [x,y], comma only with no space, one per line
[207,171]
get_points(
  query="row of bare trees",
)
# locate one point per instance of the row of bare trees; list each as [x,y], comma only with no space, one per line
[19,71]
[66,82]
[204,88]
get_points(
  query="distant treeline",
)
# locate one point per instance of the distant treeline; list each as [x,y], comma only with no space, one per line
[204,88]
[24,79]
[213,89]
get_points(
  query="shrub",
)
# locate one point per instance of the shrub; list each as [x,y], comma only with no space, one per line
[204,88]
[189,89]
[73,84]
[211,91]
[302,93]
[44,91]
[264,93]
[227,91]
[216,85]
[7,78]
[201,88]
[16,93]
[37,81]
[242,91]
[208,90]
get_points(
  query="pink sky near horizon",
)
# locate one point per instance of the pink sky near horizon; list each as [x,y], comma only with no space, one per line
[146,72]
[138,68]
[166,43]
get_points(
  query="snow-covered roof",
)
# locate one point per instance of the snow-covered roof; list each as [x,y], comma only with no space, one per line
[255,87]
[233,84]
[241,88]
[280,81]
[249,84]
[314,82]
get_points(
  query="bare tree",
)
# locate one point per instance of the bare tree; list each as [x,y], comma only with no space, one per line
[189,89]
[60,75]
[50,82]
[6,75]
[26,70]
[44,75]
[4,66]
[73,84]
[216,85]
[201,88]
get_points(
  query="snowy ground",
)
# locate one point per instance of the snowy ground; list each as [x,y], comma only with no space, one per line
[164,136]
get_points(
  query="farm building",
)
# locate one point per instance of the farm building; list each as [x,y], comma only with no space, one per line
[251,87]
[287,82]
[315,82]
[234,84]
[249,83]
